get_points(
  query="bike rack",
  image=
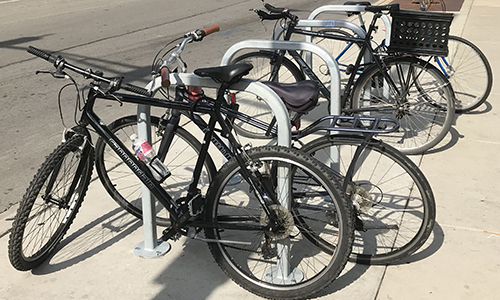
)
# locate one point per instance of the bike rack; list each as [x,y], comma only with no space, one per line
[312,22]
[151,247]
[275,274]
[300,46]
[352,8]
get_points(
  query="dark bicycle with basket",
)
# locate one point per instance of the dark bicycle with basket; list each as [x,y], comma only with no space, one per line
[400,86]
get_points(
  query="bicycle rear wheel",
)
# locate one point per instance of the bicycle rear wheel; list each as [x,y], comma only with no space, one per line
[124,186]
[51,203]
[252,255]
[395,208]
[263,63]
[422,100]
[469,73]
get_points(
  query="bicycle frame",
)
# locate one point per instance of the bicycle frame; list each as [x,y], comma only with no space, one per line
[53,177]
[179,217]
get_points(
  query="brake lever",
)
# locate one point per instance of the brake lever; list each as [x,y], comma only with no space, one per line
[54,74]
[106,91]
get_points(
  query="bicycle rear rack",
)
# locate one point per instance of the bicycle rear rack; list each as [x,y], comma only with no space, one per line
[357,124]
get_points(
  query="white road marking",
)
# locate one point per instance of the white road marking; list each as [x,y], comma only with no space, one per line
[8,1]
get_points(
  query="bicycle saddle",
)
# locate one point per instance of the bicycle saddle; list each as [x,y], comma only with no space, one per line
[227,74]
[360,3]
[363,3]
[299,97]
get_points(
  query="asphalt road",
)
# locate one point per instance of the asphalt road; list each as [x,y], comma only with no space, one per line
[118,37]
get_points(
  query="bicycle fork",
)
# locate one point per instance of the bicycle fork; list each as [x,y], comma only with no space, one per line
[84,150]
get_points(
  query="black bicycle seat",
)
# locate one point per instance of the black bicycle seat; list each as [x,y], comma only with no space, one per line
[299,97]
[362,3]
[228,74]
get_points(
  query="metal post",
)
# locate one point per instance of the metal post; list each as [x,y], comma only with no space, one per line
[281,273]
[151,247]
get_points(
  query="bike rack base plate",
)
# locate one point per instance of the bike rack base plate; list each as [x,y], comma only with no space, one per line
[161,249]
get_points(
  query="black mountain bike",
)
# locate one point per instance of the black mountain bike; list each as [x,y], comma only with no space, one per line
[274,218]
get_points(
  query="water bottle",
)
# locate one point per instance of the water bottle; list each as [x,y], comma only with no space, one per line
[146,154]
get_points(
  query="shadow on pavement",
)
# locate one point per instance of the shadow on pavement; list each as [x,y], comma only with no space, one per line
[486,107]
[89,240]
[14,43]
[433,244]
[193,274]
[455,136]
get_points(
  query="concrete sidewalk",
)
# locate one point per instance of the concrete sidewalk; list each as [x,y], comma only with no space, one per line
[460,260]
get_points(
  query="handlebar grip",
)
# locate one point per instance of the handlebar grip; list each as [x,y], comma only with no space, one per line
[165,77]
[211,29]
[42,54]
[136,89]
[266,16]
[389,7]
[273,9]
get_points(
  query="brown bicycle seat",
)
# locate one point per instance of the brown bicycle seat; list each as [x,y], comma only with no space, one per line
[299,97]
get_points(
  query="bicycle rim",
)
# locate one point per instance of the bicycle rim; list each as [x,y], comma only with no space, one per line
[469,73]
[394,202]
[422,102]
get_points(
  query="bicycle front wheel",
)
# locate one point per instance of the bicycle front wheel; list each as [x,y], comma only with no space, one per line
[263,64]
[124,186]
[469,73]
[292,262]
[50,204]
[419,97]
[395,208]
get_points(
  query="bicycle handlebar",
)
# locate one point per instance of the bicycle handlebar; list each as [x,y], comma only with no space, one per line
[274,16]
[376,9]
[280,13]
[273,9]
[276,13]
[196,36]
[42,54]
[60,63]
[211,29]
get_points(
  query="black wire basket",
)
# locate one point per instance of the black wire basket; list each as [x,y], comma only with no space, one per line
[420,32]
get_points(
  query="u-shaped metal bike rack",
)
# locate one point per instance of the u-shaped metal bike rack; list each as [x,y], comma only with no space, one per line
[283,266]
[352,8]
[151,247]
[299,46]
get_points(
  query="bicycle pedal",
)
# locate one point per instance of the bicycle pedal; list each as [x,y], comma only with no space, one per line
[195,205]
[170,233]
